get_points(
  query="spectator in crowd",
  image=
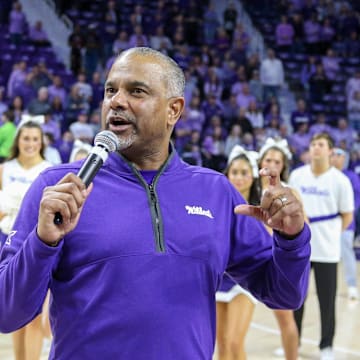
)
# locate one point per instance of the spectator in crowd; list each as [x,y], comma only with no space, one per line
[76,41]
[352,85]
[340,160]
[138,38]
[308,69]
[3,101]
[211,23]
[297,23]
[17,23]
[65,145]
[57,89]
[81,129]
[51,153]
[97,90]
[75,104]
[84,87]
[112,11]
[272,130]
[239,80]
[343,133]
[271,75]
[37,35]
[79,150]
[238,52]
[121,42]
[222,41]
[40,75]
[194,112]
[50,125]
[57,111]
[243,121]
[331,64]
[328,201]
[300,139]
[160,39]
[233,138]
[256,87]
[300,115]
[95,121]
[7,134]
[40,105]
[17,107]
[92,51]
[254,114]
[319,84]
[108,35]
[213,84]
[312,31]
[17,78]
[352,45]
[353,110]
[284,34]
[230,15]
[327,35]
[273,113]
[320,125]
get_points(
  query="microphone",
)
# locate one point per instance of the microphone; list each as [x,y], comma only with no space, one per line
[105,142]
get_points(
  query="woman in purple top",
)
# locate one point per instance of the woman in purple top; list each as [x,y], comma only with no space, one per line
[284,34]
[17,23]
[312,34]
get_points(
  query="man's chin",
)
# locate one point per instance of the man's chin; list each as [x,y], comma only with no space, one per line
[126,142]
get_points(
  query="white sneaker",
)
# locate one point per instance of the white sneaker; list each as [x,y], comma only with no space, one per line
[327,354]
[279,352]
[353,293]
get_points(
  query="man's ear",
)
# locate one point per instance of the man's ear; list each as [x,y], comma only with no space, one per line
[176,107]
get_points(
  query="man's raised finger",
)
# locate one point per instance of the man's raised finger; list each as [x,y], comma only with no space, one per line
[273,175]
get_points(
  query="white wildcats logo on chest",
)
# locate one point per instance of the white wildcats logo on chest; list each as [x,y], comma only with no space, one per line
[198,210]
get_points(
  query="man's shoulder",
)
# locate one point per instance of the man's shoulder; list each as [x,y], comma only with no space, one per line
[301,170]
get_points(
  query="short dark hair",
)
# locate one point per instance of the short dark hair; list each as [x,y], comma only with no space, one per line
[173,76]
[325,136]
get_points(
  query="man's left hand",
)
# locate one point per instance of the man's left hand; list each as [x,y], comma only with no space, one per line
[279,209]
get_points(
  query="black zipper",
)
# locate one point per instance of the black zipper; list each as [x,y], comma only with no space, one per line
[156,217]
[155,210]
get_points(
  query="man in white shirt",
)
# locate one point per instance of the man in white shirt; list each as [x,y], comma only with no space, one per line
[328,201]
[271,75]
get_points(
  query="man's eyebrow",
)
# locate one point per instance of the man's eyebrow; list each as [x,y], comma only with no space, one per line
[108,83]
[135,83]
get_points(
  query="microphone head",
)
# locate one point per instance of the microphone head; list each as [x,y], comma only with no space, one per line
[108,140]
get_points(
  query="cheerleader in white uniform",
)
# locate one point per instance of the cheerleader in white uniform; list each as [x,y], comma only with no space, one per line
[25,162]
[235,305]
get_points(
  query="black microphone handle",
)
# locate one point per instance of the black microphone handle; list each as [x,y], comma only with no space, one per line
[86,173]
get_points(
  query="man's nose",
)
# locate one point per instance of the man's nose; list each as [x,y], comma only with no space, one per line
[118,100]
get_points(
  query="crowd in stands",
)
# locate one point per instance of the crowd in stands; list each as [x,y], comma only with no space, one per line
[232,94]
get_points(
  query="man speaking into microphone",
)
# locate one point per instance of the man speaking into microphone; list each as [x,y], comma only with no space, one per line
[132,272]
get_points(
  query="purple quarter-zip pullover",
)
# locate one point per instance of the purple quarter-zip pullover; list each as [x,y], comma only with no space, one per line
[137,277]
